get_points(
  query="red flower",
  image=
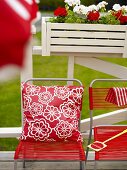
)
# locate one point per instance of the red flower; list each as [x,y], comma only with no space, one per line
[120,17]
[60,12]
[118,14]
[93,15]
[123,19]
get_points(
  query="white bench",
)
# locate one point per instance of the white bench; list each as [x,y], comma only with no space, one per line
[83,39]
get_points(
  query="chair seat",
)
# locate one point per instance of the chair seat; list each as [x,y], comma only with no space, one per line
[117,148]
[50,151]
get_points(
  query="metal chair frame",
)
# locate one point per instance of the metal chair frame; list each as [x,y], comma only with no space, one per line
[91,110]
[82,163]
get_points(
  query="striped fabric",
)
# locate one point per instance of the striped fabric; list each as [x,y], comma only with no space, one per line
[117,95]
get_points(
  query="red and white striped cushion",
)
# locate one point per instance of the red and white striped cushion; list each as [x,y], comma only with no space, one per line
[117,95]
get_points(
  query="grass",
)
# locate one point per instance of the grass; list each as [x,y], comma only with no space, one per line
[48,66]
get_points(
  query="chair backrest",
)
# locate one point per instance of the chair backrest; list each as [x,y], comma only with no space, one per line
[108,112]
[99,90]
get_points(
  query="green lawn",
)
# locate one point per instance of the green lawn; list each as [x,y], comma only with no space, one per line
[53,66]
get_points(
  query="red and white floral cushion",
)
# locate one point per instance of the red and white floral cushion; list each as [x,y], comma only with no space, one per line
[51,113]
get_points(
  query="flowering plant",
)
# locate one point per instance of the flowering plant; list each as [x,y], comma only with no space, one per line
[75,12]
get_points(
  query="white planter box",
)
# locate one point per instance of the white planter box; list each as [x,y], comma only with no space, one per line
[84,39]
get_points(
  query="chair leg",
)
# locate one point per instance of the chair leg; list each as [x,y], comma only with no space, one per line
[90,136]
[82,165]
[15,164]
[24,164]
[95,165]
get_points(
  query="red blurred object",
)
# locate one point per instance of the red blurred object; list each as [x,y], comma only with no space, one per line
[93,16]
[15,30]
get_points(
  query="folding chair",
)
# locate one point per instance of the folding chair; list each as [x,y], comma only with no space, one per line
[51,123]
[102,97]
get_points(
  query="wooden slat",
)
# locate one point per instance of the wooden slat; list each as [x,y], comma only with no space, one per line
[106,119]
[27,71]
[33,29]
[70,71]
[45,19]
[82,49]
[88,42]
[102,66]
[79,27]
[44,37]
[48,37]
[87,34]
[10,132]
[37,50]
[125,46]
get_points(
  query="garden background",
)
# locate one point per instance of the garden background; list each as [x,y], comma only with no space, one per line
[49,66]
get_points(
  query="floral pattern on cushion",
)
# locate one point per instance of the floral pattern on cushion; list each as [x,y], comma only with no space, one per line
[69,109]
[26,101]
[39,129]
[62,92]
[64,129]
[36,109]
[32,90]
[45,97]
[51,113]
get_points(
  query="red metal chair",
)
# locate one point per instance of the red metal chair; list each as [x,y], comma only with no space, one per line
[66,145]
[116,148]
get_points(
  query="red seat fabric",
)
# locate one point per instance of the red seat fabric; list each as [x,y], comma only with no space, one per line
[117,148]
[50,151]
